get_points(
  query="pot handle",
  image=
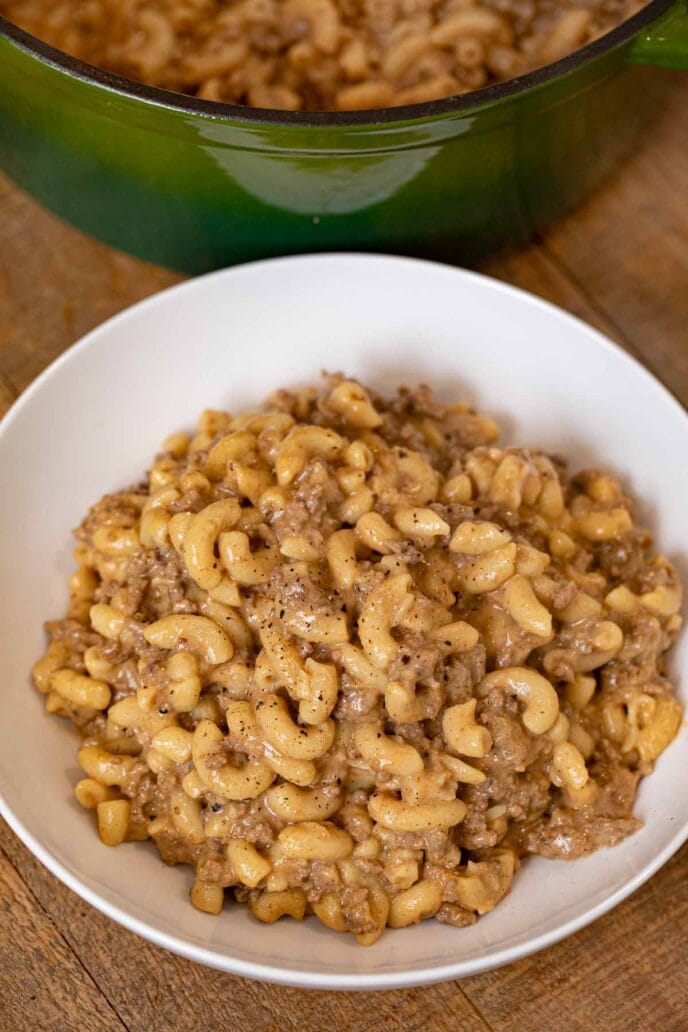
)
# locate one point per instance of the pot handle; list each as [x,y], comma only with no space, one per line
[664,43]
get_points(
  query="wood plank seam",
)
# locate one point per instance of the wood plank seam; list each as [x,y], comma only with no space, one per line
[8,389]
[422,1024]
[601,312]
[592,303]
[474,1007]
[49,918]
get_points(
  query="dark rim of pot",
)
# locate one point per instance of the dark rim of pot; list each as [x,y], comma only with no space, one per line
[331,119]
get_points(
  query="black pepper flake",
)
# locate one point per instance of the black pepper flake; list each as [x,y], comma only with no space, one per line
[216,807]
[163,711]
[281,614]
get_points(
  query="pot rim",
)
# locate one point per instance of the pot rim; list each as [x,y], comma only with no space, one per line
[465,102]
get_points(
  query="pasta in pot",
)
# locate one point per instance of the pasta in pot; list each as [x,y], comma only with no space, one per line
[347,656]
[319,54]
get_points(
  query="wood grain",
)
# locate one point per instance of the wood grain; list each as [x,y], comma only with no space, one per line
[44,986]
[621,263]
[55,285]
[6,397]
[628,249]
[138,984]
[628,971]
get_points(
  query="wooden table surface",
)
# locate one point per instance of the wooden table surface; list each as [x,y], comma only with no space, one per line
[621,263]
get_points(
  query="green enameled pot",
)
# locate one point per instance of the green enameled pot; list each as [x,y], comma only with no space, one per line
[194,185]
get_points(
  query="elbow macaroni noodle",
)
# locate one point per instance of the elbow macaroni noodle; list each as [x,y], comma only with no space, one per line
[366,713]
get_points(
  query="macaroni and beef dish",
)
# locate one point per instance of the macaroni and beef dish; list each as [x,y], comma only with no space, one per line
[319,54]
[347,656]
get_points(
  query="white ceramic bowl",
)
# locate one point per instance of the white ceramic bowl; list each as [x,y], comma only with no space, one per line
[91,424]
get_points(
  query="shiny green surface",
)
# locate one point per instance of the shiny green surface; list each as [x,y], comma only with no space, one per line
[194,192]
[665,42]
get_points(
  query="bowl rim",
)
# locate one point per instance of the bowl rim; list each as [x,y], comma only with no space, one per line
[243,115]
[303,979]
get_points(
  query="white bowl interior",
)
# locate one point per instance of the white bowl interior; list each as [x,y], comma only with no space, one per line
[92,423]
